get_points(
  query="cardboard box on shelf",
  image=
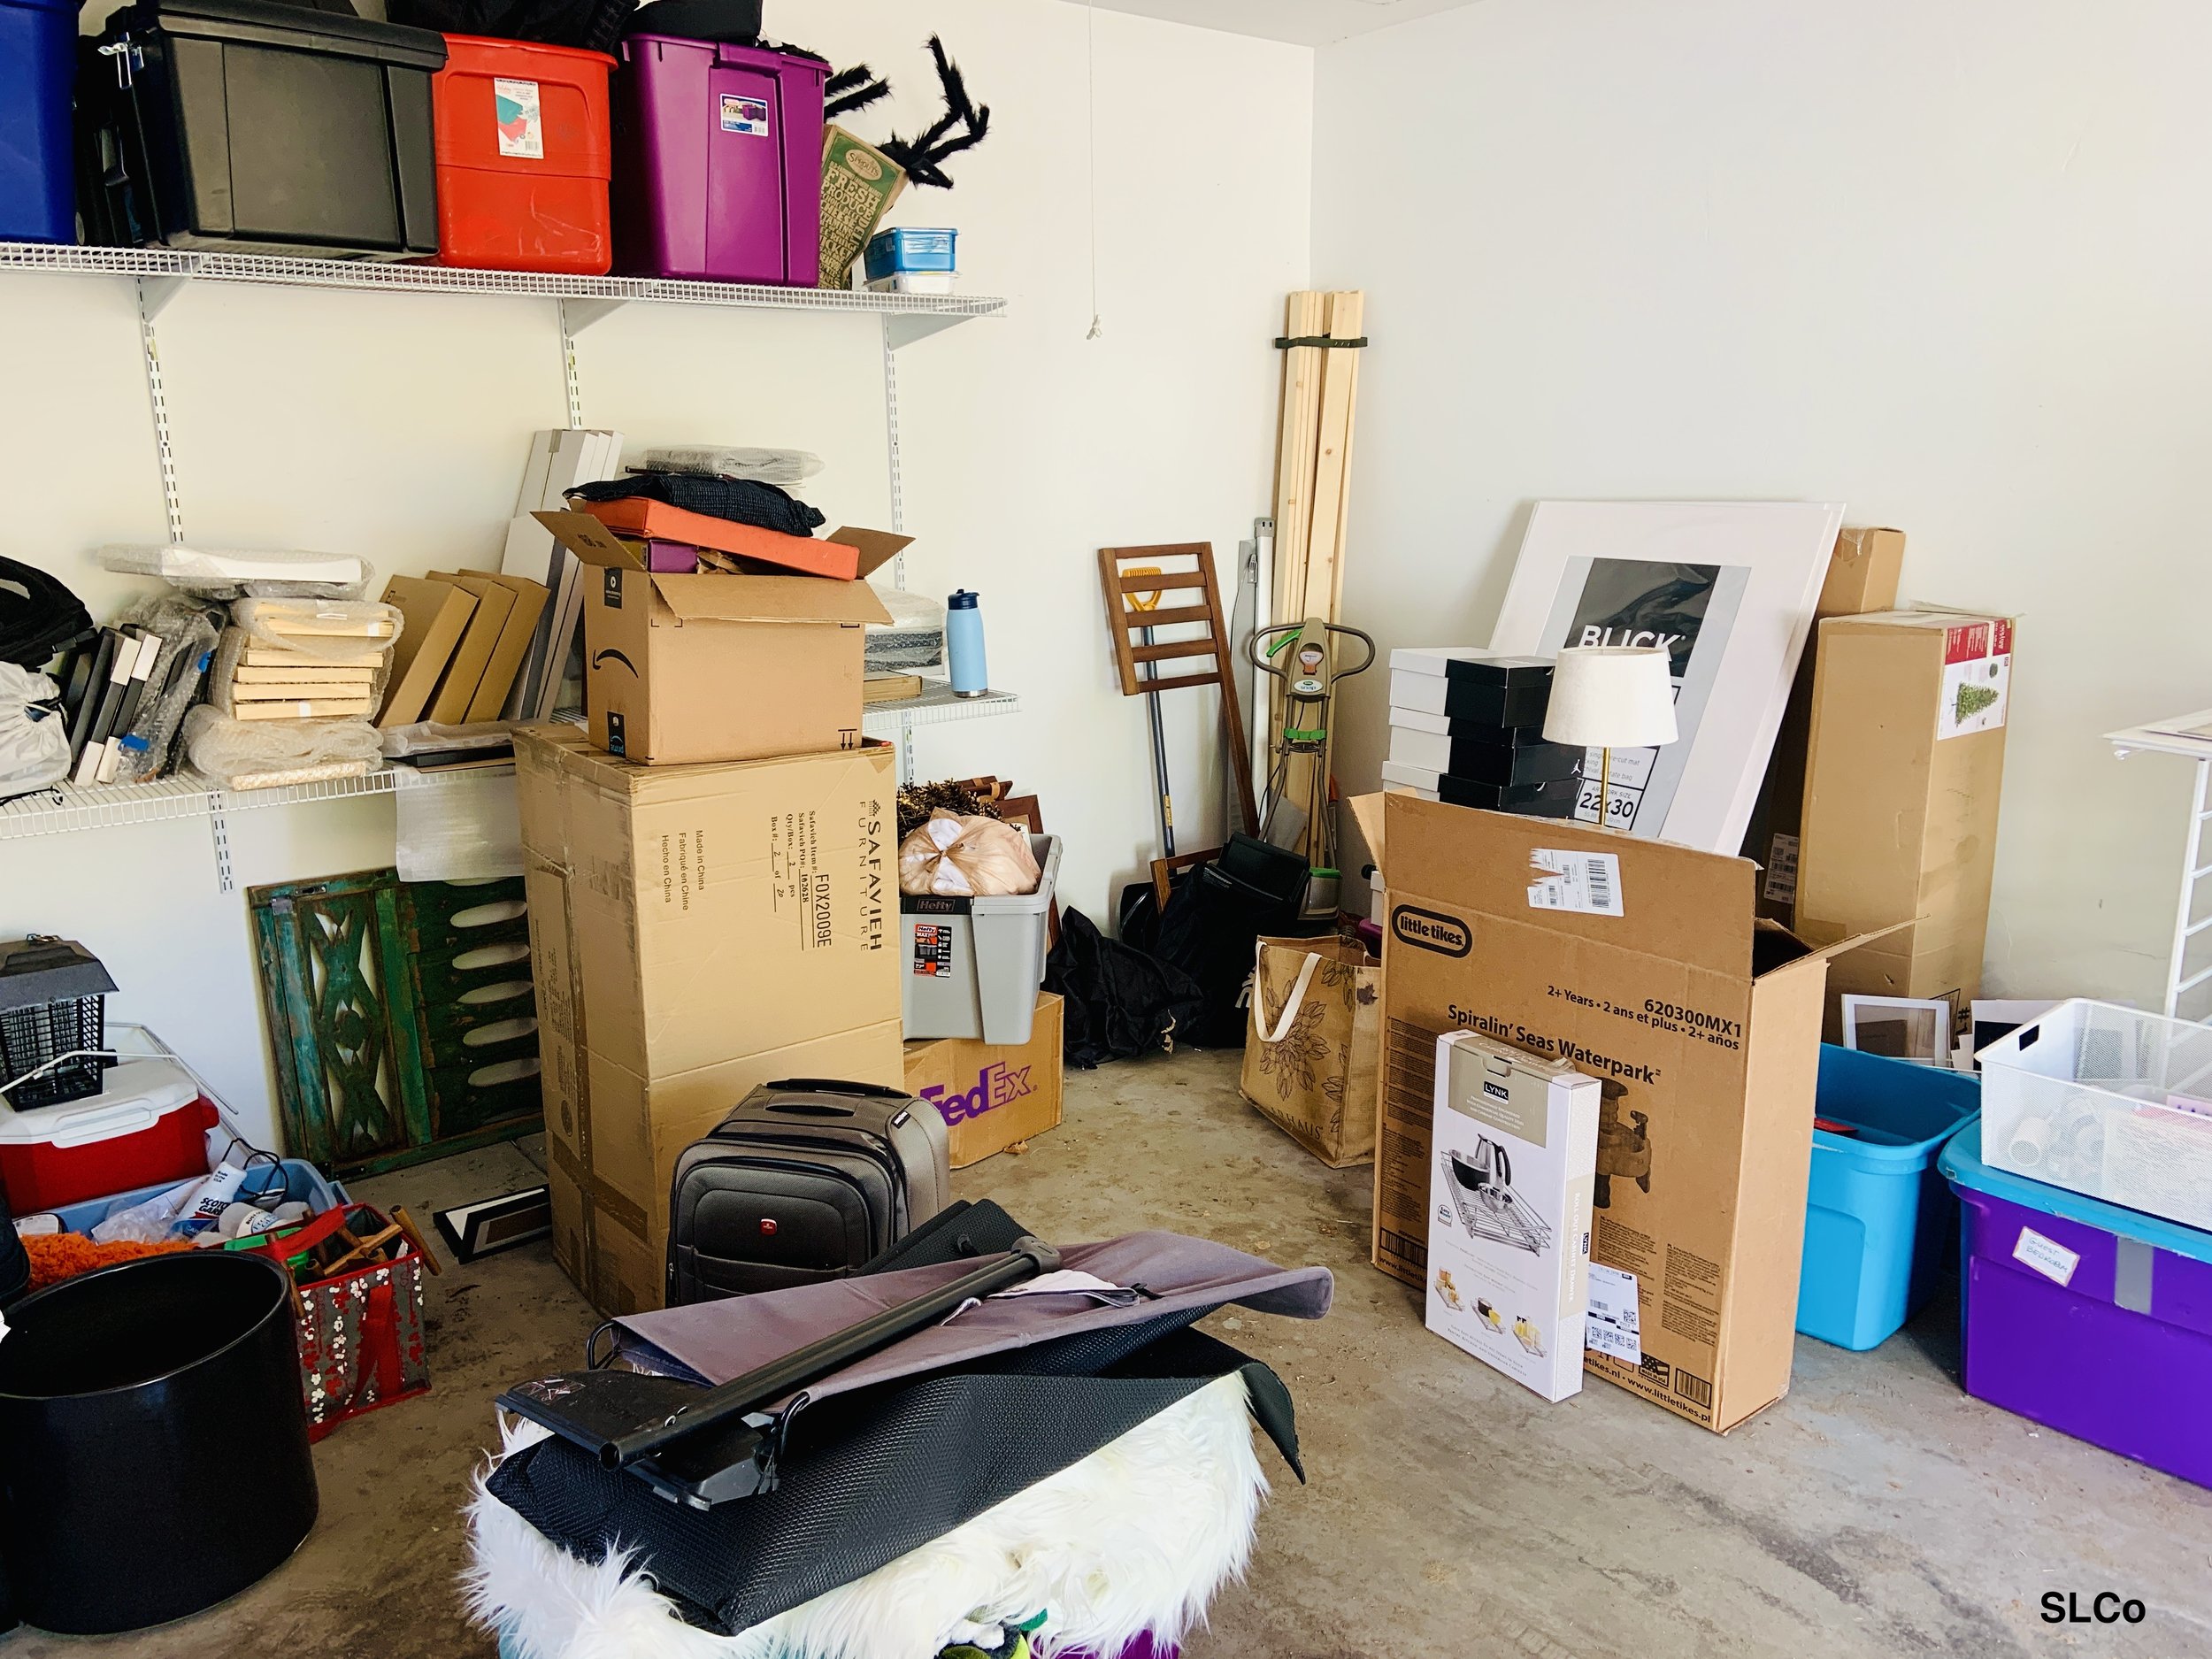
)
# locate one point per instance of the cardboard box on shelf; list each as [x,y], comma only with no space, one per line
[1642,964]
[687,668]
[992,1095]
[1905,767]
[1862,576]
[694,931]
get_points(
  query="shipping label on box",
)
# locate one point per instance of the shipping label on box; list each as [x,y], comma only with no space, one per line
[1510,1174]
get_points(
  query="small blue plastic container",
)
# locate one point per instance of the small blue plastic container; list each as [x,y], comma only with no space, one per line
[38,73]
[301,1181]
[1878,1213]
[908,249]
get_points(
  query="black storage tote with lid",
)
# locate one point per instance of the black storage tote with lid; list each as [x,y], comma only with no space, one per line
[258,127]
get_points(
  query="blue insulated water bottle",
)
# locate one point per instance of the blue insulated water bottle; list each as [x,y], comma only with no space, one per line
[964,646]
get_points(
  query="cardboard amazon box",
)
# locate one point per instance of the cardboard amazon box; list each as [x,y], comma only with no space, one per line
[1902,781]
[705,667]
[1644,965]
[694,931]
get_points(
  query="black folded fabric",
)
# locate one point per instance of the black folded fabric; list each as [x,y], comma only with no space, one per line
[739,500]
[39,616]
[869,1475]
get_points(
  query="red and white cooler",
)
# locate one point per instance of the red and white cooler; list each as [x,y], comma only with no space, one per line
[148,1126]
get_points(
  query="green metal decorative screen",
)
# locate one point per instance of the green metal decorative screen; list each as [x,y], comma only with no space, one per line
[400,1014]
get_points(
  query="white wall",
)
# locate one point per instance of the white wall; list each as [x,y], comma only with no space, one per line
[1944,260]
[396,426]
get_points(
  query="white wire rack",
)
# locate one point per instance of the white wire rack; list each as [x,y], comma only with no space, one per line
[937,706]
[188,795]
[177,266]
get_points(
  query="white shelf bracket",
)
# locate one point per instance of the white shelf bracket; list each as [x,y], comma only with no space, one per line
[903,328]
[580,314]
[156,292]
[153,293]
[219,833]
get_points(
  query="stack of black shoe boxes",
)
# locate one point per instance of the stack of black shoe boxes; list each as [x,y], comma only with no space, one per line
[1467,726]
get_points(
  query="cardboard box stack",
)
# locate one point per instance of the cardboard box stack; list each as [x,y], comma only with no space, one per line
[1467,726]
[712,867]
[1905,764]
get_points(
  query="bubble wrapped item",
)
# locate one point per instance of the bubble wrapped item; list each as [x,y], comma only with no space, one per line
[781,467]
[226,573]
[261,753]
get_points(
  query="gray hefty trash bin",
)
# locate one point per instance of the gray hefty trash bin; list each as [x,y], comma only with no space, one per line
[971,967]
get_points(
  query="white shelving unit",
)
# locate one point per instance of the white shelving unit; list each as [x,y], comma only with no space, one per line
[2189,736]
[160,274]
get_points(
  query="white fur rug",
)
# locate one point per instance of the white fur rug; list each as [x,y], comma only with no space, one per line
[1134,1539]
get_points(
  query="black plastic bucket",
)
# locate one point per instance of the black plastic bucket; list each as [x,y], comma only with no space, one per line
[153,1446]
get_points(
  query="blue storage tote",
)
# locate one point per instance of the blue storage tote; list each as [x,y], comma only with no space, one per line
[301,1181]
[1877,1214]
[38,72]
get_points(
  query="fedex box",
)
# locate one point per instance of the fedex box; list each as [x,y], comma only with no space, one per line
[1516,1143]
[992,1095]
[1642,964]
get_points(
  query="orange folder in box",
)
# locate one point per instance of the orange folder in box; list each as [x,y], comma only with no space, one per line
[658,521]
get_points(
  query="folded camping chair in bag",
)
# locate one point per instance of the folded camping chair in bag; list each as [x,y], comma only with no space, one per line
[918,1441]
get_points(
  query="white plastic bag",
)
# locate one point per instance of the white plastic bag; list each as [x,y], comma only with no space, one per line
[957,856]
[329,630]
[33,737]
[254,753]
[780,467]
[227,573]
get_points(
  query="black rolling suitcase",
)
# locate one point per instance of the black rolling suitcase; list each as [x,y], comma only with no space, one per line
[806,1180]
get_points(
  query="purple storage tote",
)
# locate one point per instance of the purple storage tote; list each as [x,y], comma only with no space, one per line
[2093,1319]
[718,163]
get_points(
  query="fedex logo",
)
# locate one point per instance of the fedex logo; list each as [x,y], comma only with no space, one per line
[996,1085]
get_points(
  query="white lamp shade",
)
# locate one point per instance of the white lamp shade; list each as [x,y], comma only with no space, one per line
[1611,697]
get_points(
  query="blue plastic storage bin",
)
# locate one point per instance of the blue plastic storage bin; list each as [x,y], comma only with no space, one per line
[38,72]
[302,1182]
[1877,1214]
[906,247]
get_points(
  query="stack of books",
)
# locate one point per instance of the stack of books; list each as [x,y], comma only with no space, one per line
[1467,726]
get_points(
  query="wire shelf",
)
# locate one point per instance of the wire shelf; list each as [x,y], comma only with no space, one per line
[177,264]
[188,795]
[936,706]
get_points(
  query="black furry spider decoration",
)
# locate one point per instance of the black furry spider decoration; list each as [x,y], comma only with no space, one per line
[853,88]
[962,126]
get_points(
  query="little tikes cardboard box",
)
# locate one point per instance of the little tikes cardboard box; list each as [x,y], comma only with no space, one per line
[1642,964]
[1515,1142]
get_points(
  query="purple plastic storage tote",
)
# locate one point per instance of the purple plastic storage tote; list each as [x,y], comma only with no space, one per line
[2093,1319]
[38,67]
[718,163]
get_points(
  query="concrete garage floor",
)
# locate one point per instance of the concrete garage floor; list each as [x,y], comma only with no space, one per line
[1874,1512]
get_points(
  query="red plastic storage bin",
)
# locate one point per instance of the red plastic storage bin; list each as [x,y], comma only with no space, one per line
[148,1126]
[523,156]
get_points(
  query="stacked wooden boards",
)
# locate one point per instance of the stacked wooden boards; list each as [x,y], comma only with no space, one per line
[1323,338]
[303,659]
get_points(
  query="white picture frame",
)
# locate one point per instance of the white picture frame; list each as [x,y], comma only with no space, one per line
[1731,587]
[1910,1028]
